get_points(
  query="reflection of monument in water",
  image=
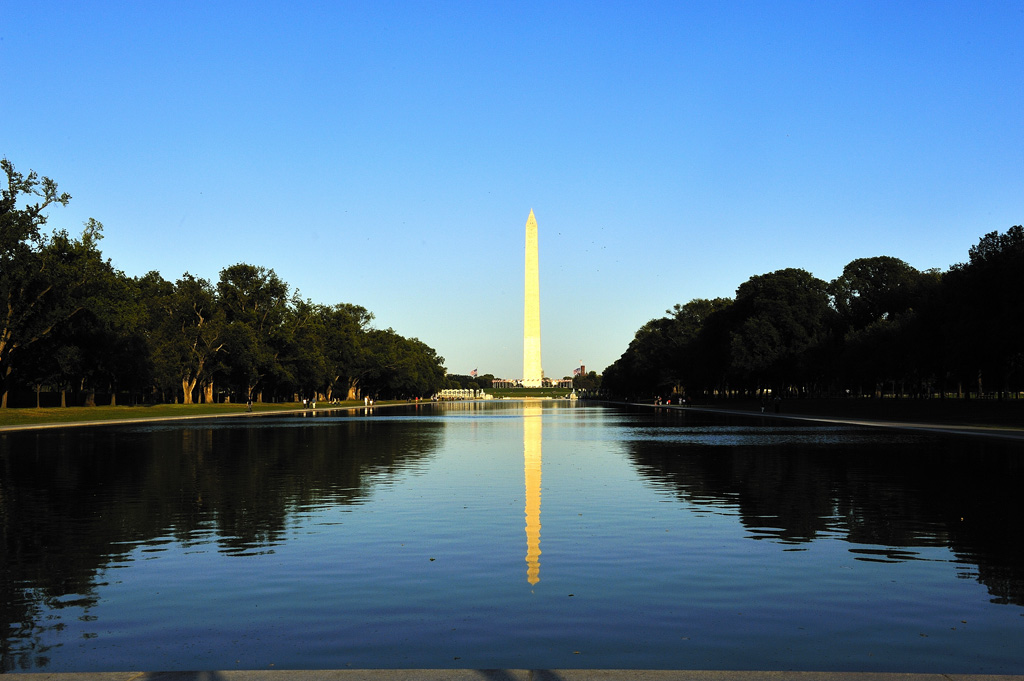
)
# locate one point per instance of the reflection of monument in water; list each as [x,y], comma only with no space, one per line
[532,469]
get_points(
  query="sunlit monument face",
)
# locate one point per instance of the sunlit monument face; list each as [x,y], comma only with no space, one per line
[532,372]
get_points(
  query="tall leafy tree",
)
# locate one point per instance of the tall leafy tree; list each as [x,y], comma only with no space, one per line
[346,348]
[304,355]
[187,330]
[255,302]
[648,357]
[783,318]
[101,348]
[870,289]
[45,278]
[401,367]
[119,358]
[689,342]
[590,382]
[984,302]
[155,293]
[885,308]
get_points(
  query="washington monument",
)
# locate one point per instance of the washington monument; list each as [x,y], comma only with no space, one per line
[532,371]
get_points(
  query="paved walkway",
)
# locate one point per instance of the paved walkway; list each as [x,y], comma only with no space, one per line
[501,675]
[954,429]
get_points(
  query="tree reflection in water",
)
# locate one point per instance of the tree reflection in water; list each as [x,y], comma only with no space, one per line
[76,506]
[73,502]
[899,492]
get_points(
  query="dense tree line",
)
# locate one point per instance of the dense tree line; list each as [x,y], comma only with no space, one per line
[881,327]
[469,382]
[72,323]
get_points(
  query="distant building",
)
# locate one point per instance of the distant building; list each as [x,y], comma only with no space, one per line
[544,383]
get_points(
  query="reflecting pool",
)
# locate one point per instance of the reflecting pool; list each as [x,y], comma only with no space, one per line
[509,535]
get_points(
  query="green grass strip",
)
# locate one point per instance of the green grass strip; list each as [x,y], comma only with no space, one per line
[54,415]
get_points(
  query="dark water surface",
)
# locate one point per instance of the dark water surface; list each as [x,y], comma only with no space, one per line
[510,535]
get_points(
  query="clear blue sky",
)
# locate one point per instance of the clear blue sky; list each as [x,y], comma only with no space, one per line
[388,153]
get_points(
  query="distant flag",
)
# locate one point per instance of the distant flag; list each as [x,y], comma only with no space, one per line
[473,373]
[576,371]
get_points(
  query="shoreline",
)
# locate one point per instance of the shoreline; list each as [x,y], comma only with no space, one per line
[974,430]
[936,425]
[115,421]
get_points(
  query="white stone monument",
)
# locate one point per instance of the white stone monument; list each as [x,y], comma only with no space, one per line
[533,374]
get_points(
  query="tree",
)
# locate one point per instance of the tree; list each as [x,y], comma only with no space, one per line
[105,340]
[984,299]
[118,357]
[187,328]
[345,336]
[401,367]
[870,289]
[158,333]
[44,278]
[304,359]
[782,318]
[689,352]
[255,301]
[590,382]
[887,311]
[643,367]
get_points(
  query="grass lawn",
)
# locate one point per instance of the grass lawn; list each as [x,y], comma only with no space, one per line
[48,415]
[512,393]
[1009,413]
[53,415]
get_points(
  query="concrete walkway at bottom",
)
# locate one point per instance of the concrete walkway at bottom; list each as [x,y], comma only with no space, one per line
[500,675]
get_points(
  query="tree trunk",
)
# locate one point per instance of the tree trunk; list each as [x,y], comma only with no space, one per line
[63,397]
[113,399]
[187,385]
[39,387]
[90,395]
[3,396]
[208,392]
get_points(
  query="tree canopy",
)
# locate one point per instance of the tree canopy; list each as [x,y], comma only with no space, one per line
[46,279]
[879,325]
[73,323]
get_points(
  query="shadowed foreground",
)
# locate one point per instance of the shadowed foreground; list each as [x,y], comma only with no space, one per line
[499,675]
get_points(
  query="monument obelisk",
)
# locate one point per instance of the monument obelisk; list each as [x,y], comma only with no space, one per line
[532,371]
